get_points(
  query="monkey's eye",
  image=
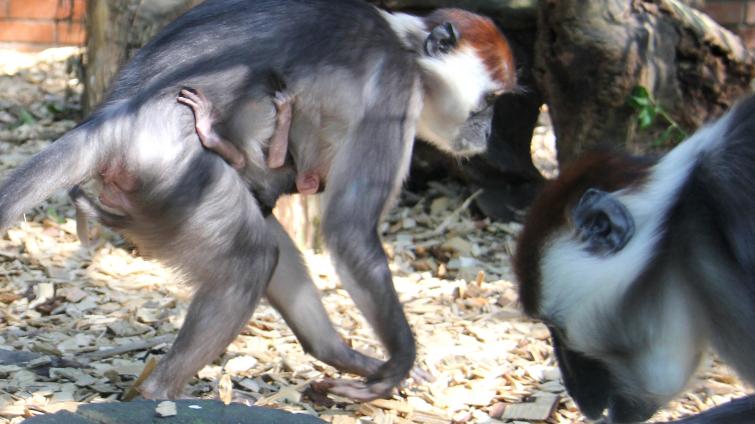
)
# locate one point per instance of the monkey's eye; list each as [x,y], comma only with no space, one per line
[445,46]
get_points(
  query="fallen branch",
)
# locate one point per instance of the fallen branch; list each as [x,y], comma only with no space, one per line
[140,345]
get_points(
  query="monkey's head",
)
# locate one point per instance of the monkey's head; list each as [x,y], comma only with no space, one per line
[466,65]
[585,263]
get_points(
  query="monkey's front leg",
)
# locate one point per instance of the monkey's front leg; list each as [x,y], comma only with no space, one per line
[354,204]
[293,293]
[204,117]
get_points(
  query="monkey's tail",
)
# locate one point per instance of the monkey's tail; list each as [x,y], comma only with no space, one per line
[68,161]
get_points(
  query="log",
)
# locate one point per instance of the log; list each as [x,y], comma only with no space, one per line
[513,14]
[590,55]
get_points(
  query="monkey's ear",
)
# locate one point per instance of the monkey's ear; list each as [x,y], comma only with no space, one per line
[442,39]
[603,222]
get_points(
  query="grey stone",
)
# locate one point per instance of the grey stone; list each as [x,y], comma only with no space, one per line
[189,411]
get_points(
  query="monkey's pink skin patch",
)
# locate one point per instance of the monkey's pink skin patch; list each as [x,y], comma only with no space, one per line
[307,183]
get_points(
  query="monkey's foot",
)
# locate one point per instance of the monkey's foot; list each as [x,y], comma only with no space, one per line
[308,182]
[363,391]
[359,391]
[420,375]
[203,112]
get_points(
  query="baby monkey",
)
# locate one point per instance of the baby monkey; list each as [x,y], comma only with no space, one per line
[307,182]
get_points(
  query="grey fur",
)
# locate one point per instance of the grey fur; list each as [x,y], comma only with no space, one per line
[357,97]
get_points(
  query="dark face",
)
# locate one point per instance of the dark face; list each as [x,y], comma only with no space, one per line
[473,135]
[590,384]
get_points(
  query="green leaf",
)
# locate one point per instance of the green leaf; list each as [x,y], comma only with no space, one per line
[646,117]
[26,117]
[54,108]
[55,216]
[640,98]
[665,136]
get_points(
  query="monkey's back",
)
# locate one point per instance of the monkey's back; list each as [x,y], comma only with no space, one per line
[221,44]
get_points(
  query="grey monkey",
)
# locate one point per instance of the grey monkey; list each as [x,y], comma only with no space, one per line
[365,83]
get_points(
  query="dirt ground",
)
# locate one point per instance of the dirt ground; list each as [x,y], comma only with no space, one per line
[70,306]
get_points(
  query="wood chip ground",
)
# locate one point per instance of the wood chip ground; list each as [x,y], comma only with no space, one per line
[79,325]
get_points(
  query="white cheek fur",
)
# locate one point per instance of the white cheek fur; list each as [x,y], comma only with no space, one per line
[455,85]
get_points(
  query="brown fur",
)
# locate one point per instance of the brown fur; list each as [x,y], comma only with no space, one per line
[481,34]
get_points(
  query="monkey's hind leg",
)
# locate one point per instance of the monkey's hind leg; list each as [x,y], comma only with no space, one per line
[231,262]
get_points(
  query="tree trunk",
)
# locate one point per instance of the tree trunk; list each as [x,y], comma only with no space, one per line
[115,31]
[513,14]
[590,55]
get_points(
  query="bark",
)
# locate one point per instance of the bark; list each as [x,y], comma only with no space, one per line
[591,54]
[514,14]
[115,30]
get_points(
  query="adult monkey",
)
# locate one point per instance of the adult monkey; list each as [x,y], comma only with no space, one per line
[639,265]
[363,81]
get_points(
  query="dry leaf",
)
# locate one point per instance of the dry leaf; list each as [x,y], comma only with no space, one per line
[225,389]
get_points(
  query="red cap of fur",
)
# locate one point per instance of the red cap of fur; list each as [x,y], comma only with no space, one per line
[481,34]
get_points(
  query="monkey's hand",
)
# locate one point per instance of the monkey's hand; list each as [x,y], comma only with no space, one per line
[357,390]
[282,101]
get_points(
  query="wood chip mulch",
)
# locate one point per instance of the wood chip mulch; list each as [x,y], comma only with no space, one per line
[79,325]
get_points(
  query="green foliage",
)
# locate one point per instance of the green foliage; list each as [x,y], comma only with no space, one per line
[53,214]
[25,117]
[648,111]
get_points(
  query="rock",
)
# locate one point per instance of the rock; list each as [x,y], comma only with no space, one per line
[193,411]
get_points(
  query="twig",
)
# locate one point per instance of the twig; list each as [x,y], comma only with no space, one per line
[133,391]
[440,229]
[141,345]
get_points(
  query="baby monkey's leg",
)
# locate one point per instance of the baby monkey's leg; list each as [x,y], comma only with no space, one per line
[205,118]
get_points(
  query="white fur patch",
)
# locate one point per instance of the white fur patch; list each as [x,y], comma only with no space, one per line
[455,85]
[664,368]
[408,132]
[406,27]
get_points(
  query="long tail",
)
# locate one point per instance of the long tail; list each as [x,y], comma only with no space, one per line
[68,161]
